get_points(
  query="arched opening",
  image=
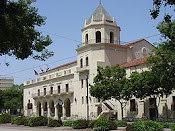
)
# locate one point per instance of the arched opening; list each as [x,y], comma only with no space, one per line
[67,108]
[60,111]
[99,110]
[39,108]
[98,37]
[87,61]
[111,37]
[45,108]
[81,63]
[52,108]
[86,39]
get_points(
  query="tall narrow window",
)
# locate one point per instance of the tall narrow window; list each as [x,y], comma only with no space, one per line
[44,91]
[98,37]
[38,92]
[86,39]
[67,87]
[173,103]
[82,83]
[51,90]
[87,61]
[111,37]
[59,89]
[82,100]
[81,63]
[132,105]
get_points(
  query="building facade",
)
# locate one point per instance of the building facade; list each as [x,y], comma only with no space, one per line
[6,83]
[64,91]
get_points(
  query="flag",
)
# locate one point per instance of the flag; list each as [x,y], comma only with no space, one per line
[36,73]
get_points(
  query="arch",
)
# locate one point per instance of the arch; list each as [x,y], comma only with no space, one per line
[67,107]
[99,110]
[98,37]
[111,37]
[39,108]
[52,108]
[81,63]
[86,39]
[87,61]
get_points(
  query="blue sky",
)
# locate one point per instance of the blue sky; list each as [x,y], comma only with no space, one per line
[66,18]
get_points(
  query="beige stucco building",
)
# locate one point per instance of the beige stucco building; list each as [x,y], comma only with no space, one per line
[62,91]
[6,83]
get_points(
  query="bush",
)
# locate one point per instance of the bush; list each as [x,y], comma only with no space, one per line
[147,126]
[92,123]
[68,123]
[121,123]
[129,128]
[17,120]
[80,124]
[5,118]
[26,121]
[54,123]
[113,125]
[102,124]
[37,121]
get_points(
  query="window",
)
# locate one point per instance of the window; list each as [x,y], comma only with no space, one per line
[29,105]
[98,37]
[111,37]
[59,89]
[44,91]
[82,100]
[86,39]
[132,105]
[81,63]
[38,92]
[51,90]
[82,83]
[173,103]
[67,87]
[87,61]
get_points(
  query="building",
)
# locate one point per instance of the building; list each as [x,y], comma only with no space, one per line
[6,83]
[62,91]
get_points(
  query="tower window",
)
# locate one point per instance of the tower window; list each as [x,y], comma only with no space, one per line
[87,61]
[44,91]
[38,92]
[51,90]
[111,37]
[59,89]
[82,83]
[67,87]
[81,63]
[86,39]
[98,37]
[82,100]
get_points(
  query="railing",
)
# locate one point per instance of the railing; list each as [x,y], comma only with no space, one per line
[55,92]
[92,41]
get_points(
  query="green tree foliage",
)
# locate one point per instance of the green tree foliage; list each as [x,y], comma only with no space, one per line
[157,4]
[111,82]
[11,99]
[18,34]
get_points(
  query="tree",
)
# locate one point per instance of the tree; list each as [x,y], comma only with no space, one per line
[157,4]
[111,82]
[18,34]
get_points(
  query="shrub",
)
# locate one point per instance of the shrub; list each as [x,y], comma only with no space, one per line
[68,123]
[5,118]
[129,128]
[37,121]
[92,123]
[121,123]
[147,126]
[26,121]
[17,120]
[54,123]
[102,124]
[113,125]
[80,124]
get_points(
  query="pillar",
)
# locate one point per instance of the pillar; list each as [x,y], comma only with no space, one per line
[35,113]
[64,111]
[48,111]
[56,112]
[42,110]
[141,109]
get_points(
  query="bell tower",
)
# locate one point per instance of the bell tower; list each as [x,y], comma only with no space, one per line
[100,28]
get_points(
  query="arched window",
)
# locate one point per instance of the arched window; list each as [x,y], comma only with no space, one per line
[81,63]
[98,37]
[86,39]
[87,61]
[111,37]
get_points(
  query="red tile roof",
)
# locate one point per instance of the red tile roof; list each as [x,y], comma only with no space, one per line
[134,42]
[135,62]
[70,63]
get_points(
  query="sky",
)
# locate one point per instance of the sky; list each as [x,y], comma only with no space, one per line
[65,19]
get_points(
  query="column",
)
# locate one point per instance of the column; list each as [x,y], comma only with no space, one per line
[141,109]
[48,111]
[64,111]
[56,113]
[42,110]
[35,112]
